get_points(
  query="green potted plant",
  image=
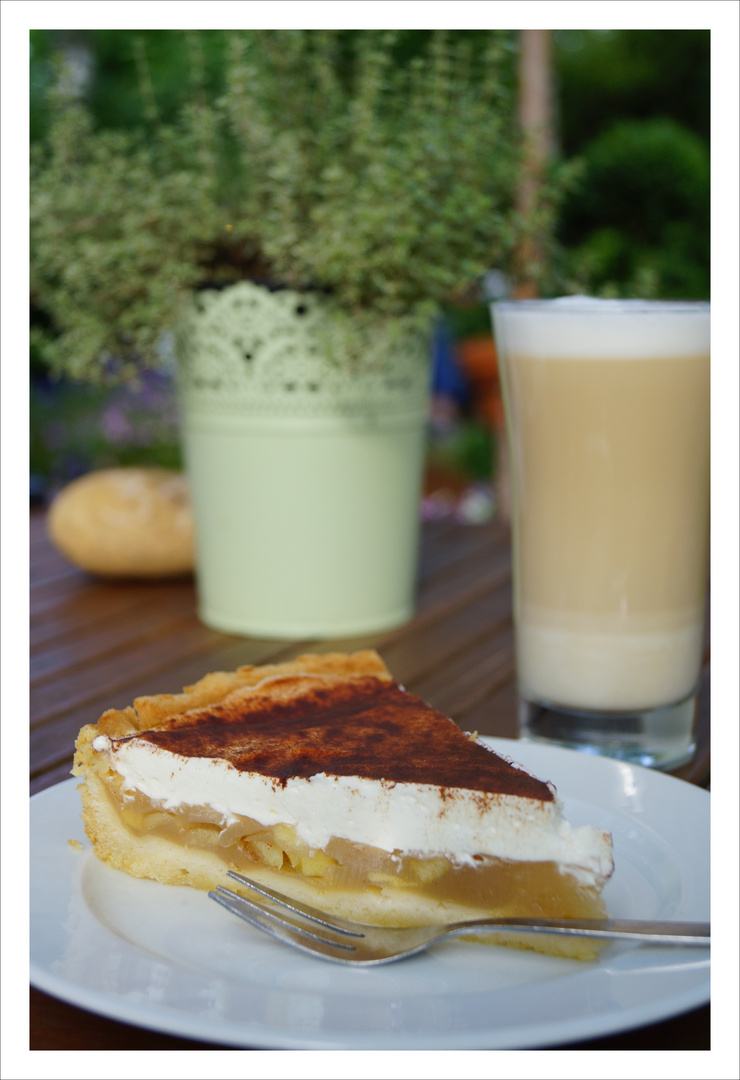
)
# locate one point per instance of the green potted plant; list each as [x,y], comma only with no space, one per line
[297,237]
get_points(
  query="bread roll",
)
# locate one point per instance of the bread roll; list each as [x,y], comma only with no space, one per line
[128,522]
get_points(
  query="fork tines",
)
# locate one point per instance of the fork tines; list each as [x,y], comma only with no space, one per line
[288,920]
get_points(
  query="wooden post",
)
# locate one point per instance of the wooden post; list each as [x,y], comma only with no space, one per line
[536,120]
[536,113]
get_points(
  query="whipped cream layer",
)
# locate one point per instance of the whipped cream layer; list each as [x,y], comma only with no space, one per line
[410,818]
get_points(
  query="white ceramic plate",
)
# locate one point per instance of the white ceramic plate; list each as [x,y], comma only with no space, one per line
[172,960]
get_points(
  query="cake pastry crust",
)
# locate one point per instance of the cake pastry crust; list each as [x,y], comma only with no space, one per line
[325,778]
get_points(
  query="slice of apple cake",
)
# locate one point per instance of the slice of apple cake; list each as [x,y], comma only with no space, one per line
[326,779]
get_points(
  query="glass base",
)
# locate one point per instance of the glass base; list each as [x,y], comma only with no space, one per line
[657,738]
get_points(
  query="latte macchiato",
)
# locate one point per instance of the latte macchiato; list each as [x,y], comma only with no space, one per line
[608,417]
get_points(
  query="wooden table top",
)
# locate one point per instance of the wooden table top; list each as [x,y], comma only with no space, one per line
[96,645]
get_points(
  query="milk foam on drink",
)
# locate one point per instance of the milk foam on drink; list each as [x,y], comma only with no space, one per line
[608,412]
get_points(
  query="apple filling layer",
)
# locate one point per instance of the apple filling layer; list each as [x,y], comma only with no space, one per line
[490,885]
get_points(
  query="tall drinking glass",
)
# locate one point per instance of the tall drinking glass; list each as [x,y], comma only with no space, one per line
[607,411]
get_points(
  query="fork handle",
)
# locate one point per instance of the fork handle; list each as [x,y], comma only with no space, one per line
[644,930]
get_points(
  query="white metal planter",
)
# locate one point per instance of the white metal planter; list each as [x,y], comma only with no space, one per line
[305,469]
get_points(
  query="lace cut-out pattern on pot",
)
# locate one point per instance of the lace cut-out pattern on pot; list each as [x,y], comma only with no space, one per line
[249,351]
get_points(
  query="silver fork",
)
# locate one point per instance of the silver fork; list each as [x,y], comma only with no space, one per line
[346,942]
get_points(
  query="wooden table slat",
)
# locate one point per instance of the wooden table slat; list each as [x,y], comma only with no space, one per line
[138,660]
[93,604]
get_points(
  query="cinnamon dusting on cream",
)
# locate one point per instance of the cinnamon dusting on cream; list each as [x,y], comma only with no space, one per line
[365,727]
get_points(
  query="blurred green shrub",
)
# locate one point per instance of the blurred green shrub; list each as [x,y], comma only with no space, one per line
[122,72]
[605,76]
[638,221]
